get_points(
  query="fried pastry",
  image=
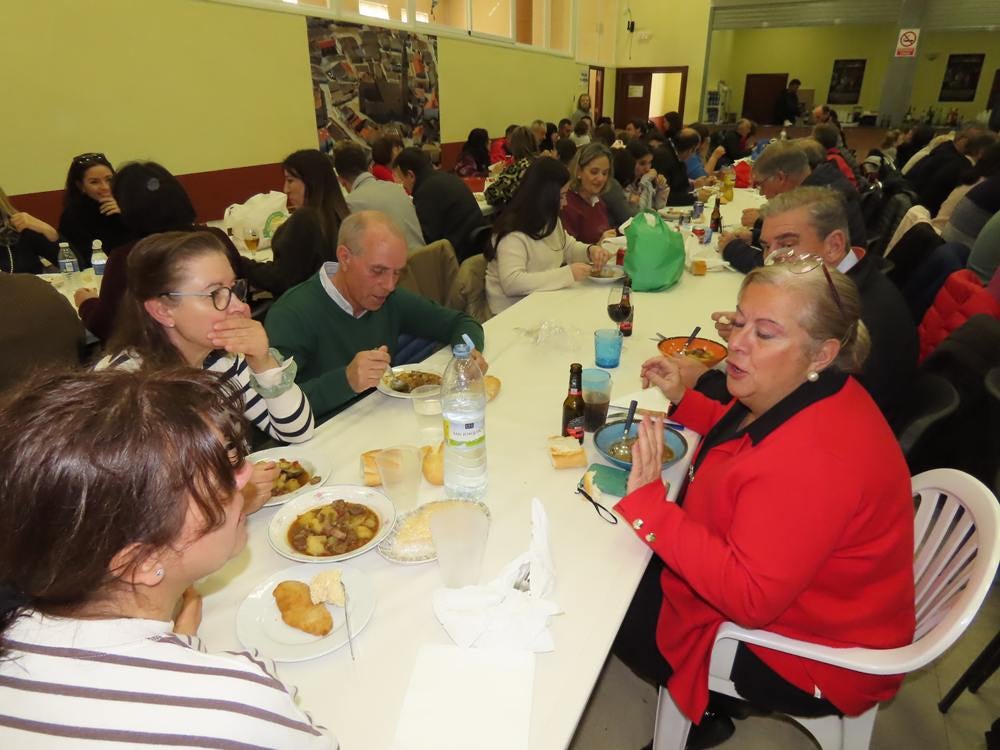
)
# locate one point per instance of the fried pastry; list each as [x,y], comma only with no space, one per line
[298,611]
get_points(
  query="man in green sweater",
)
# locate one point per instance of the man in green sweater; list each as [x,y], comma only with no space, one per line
[342,324]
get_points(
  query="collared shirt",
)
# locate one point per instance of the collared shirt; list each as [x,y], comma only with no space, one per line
[326,274]
[361,180]
[849,261]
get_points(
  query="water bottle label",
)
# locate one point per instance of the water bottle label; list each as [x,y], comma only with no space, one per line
[67,266]
[464,433]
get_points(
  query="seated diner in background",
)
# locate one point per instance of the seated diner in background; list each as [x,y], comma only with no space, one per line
[702,164]
[342,325]
[135,494]
[773,533]
[643,187]
[813,220]
[738,142]
[445,206]
[474,159]
[184,306]
[523,151]
[584,215]
[385,149]
[365,193]
[826,135]
[531,252]
[308,238]
[152,201]
[581,131]
[500,148]
[670,159]
[90,211]
[26,241]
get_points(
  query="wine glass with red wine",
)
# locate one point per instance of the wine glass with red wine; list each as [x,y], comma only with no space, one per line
[619,304]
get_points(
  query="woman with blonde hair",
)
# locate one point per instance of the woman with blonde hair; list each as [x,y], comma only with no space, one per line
[25,240]
[585,215]
[797,518]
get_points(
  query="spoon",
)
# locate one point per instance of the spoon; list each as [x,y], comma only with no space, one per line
[692,337]
[622,447]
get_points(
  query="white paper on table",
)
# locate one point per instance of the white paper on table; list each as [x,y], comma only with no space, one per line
[461,698]
[649,398]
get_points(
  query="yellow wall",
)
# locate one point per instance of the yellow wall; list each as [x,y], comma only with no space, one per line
[679,36]
[487,86]
[930,73]
[803,53]
[198,86]
[664,93]
[808,54]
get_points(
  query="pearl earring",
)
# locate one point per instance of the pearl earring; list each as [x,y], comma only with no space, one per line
[812,377]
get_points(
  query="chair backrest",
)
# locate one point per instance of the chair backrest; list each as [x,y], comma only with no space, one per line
[468,293]
[430,271]
[956,551]
[932,398]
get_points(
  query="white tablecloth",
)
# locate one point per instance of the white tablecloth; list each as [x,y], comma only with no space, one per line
[598,565]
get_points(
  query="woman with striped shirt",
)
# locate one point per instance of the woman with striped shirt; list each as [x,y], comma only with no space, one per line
[98,620]
[184,305]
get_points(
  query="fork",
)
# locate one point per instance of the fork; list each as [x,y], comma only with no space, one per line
[347,621]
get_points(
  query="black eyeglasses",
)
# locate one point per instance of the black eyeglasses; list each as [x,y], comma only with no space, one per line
[87,160]
[221,297]
[802,262]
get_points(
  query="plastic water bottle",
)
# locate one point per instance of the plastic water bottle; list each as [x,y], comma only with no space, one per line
[97,257]
[68,263]
[463,407]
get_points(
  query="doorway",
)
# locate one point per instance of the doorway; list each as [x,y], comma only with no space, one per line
[759,95]
[595,87]
[649,93]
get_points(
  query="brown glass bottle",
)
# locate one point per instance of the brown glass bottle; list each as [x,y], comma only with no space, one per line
[573,407]
[715,223]
[625,327]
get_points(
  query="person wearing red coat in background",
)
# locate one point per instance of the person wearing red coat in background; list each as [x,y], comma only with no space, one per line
[797,519]
[500,148]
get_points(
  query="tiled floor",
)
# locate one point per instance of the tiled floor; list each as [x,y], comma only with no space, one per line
[622,708]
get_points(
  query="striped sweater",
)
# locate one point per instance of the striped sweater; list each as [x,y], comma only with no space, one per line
[132,683]
[281,412]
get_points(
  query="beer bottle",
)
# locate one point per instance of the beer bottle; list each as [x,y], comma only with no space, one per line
[715,223]
[572,413]
[625,327]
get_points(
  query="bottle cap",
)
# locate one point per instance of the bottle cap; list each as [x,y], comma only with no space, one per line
[97,245]
[461,350]
[64,245]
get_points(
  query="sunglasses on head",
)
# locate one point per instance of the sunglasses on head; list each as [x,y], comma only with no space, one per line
[87,160]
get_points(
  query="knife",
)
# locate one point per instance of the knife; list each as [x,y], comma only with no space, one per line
[347,621]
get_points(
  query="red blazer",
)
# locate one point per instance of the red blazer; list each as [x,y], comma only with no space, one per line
[585,221]
[807,533]
[499,152]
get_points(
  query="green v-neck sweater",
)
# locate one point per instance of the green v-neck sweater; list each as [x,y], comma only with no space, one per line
[307,324]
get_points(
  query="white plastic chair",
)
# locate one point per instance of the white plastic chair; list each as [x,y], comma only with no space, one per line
[956,552]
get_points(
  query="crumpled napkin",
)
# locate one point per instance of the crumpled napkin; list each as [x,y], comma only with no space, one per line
[497,615]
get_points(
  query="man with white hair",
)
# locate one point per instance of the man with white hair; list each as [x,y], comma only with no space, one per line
[342,324]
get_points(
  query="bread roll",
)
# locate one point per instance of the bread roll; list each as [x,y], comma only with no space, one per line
[567,453]
[298,611]
[492,387]
[433,463]
[369,469]
[591,488]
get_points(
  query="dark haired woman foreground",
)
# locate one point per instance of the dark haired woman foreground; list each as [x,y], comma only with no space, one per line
[90,211]
[113,531]
[531,251]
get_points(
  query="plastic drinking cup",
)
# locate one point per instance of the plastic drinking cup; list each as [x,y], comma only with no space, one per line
[596,397]
[426,402]
[459,533]
[399,469]
[608,347]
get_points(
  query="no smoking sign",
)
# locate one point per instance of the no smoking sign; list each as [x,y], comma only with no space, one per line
[906,43]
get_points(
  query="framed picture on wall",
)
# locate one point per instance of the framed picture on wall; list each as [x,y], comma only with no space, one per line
[845,83]
[961,78]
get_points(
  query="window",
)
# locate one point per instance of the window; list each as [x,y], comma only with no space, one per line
[373,10]
[560,24]
[491,17]
[449,13]
[420,16]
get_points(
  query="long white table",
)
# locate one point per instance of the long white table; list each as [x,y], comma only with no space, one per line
[598,565]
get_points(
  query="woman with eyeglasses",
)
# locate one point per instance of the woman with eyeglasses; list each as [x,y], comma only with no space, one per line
[90,211]
[797,518]
[309,237]
[25,240]
[134,493]
[152,200]
[184,306]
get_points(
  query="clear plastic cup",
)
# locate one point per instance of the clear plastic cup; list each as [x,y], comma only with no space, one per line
[596,398]
[459,533]
[426,402]
[399,469]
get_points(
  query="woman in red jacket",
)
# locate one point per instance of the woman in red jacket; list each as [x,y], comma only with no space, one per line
[797,518]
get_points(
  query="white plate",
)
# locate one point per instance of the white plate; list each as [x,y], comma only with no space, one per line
[277,532]
[383,384]
[387,546]
[291,453]
[259,624]
[617,272]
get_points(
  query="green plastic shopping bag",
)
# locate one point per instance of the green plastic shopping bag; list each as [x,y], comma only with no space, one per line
[654,258]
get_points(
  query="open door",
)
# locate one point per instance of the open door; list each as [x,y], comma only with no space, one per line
[648,93]
[595,88]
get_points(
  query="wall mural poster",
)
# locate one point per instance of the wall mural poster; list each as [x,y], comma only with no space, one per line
[961,78]
[368,81]
[845,83]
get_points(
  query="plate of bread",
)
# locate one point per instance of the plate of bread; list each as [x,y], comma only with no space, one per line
[410,541]
[298,613]
[333,523]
